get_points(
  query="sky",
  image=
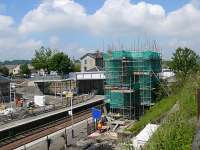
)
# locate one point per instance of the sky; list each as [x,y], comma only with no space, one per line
[80,26]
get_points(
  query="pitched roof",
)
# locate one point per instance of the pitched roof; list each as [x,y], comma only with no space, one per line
[96,68]
[10,66]
[93,55]
[88,54]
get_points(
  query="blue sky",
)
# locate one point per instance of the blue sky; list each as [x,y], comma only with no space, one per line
[75,27]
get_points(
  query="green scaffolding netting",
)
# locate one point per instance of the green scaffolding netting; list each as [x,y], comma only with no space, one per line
[134,70]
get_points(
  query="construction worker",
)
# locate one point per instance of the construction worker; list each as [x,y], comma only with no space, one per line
[99,125]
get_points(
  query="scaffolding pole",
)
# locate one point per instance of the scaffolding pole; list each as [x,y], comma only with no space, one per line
[127,95]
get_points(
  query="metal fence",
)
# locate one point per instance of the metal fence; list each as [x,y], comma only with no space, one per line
[22,113]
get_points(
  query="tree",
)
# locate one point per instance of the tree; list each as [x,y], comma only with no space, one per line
[184,62]
[76,66]
[42,58]
[61,63]
[4,70]
[161,89]
[165,63]
[24,70]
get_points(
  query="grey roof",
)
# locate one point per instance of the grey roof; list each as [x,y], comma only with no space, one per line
[93,55]
[10,66]
[4,79]
[96,68]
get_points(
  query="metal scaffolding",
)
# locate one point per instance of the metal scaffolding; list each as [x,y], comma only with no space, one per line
[130,79]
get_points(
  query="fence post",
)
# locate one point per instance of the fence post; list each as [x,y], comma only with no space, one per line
[198,103]
[196,140]
[48,142]
[87,127]
[66,138]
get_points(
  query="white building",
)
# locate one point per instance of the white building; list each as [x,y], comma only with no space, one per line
[166,73]
[92,62]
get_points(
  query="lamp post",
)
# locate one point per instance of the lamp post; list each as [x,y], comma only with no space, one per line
[12,90]
[55,88]
[70,95]
[10,96]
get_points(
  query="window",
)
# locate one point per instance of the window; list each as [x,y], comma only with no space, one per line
[85,61]
[85,68]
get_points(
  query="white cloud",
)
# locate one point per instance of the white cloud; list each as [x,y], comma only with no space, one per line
[123,17]
[6,23]
[183,22]
[116,18]
[12,44]
[173,29]
[15,48]
[53,15]
[29,44]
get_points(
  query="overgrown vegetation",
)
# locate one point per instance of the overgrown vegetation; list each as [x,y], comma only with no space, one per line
[177,131]
[154,114]
[161,90]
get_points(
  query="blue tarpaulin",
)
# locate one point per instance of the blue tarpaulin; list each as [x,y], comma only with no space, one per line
[96,114]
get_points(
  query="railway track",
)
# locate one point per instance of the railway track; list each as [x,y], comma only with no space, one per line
[42,131]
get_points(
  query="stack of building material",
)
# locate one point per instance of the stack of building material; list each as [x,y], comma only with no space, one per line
[39,100]
[142,138]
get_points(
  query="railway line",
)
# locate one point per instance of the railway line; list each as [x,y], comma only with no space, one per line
[28,136]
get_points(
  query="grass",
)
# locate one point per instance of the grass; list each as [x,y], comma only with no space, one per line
[154,113]
[178,130]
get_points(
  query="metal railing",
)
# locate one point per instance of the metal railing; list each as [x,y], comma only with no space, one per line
[25,113]
[47,77]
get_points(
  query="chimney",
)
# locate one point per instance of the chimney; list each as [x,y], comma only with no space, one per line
[98,55]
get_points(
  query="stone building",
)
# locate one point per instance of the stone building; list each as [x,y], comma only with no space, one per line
[92,62]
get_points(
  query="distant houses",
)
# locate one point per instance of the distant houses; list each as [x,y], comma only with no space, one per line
[15,69]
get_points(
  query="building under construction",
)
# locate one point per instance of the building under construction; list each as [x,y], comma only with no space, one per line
[131,77]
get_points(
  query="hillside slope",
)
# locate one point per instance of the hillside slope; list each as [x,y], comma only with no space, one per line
[177,131]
